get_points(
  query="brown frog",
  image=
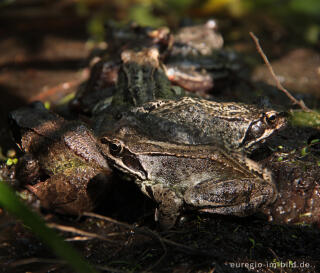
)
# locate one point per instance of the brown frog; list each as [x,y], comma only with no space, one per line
[63,160]
[113,88]
[198,39]
[118,77]
[201,73]
[196,60]
[201,177]
[231,125]
[141,79]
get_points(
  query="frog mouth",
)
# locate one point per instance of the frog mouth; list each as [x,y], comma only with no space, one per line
[128,164]
[125,169]
[262,139]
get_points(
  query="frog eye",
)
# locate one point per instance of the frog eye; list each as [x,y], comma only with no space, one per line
[270,118]
[115,147]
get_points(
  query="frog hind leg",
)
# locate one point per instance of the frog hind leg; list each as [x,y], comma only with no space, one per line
[240,197]
[169,205]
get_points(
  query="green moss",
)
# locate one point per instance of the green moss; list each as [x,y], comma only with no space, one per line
[66,164]
[302,118]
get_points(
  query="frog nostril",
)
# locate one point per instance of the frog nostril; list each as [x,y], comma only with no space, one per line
[104,140]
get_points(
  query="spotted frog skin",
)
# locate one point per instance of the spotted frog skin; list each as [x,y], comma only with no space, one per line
[200,177]
[131,72]
[141,79]
[233,126]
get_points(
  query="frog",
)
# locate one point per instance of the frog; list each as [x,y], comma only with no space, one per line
[142,78]
[203,74]
[131,74]
[114,87]
[199,39]
[179,177]
[190,120]
[142,84]
[198,62]
[100,86]
[63,165]
[189,78]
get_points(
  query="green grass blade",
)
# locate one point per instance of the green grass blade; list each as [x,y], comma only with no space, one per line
[10,202]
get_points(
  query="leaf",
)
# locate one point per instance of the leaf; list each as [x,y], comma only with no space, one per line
[304,151]
[314,141]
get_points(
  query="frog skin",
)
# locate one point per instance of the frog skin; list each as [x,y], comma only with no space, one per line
[197,40]
[201,177]
[196,60]
[134,75]
[99,87]
[63,160]
[233,126]
[200,73]
[134,36]
[141,78]
[189,78]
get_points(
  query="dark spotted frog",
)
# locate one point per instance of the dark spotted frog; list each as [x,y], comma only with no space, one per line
[233,126]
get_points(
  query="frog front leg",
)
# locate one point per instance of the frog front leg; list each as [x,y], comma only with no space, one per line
[240,197]
[169,204]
